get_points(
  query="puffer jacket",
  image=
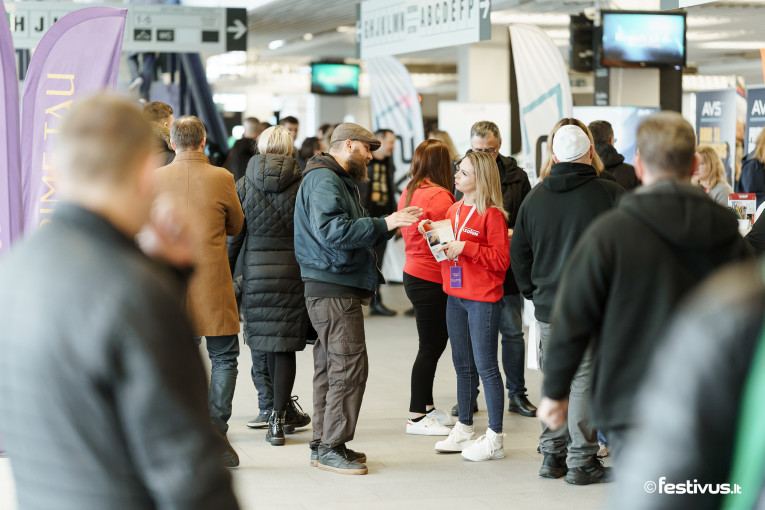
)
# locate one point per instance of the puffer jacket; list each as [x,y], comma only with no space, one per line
[275,316]
[333,235]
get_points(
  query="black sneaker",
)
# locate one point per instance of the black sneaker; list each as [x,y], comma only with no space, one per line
[229,457]
[519,403]
[592,472]
[357,456]
[296,418]
[338,460]
[261,421]
[553,466]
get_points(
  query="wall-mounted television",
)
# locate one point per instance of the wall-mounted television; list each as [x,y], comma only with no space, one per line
[335,79]
[643,38]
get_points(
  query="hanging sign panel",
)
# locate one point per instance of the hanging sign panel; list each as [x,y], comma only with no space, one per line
[393,27]
[163,28]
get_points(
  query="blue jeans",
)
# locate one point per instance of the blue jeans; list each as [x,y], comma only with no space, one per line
[473,328]
[261,378]
[223,352]
[513,346]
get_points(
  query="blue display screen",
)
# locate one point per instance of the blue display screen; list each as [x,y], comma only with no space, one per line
[334,79]
[649,39]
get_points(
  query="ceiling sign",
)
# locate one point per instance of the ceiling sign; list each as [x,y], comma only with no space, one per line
[392,27]
[150,27]
[667,5]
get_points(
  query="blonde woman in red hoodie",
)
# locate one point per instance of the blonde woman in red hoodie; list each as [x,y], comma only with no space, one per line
[473,275]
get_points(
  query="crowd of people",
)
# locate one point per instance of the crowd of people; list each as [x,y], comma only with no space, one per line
[153,248]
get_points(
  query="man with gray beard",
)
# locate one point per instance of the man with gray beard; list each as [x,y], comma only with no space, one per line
[334,241]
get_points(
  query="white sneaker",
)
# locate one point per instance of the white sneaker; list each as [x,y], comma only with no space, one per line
[459,438]
[427,426]
[486,447]
[440,416]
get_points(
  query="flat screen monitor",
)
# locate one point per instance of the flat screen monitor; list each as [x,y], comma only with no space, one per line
[335,79]
[643,38]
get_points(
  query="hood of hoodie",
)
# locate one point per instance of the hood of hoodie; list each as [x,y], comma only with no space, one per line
[273,173]
[324,160]
[568,176]
[681,214]
[608,154]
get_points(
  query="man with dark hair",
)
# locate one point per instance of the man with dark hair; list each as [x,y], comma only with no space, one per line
[161,113]
[292,124]
[607,306]
[334,240]
[603,136]
[243,149]
[377,196]
[209,197]
[102,390]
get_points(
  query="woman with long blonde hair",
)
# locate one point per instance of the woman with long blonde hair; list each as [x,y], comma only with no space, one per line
[473,275]
[710,175]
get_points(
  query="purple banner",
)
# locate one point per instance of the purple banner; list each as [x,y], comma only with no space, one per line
[10,161]
[78,56]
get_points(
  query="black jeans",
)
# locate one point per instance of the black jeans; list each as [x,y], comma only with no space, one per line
[223,352]
[261,378]
[429,302]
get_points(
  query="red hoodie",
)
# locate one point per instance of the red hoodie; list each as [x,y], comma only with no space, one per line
[485,258]
[435,201]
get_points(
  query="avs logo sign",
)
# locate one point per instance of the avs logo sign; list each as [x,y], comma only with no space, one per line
[758,107]
[712,109]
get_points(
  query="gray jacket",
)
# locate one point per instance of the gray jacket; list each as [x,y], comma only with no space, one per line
[103,395]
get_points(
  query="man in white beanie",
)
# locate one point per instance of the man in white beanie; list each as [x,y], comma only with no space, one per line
[551,219]
[623,282]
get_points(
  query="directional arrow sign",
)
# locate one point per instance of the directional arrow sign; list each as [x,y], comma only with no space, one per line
[392,27]
[149,27]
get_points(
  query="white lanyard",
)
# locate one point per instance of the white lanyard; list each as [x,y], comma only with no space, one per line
[457,221]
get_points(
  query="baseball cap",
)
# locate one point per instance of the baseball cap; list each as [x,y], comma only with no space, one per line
[570,143]
[351,131]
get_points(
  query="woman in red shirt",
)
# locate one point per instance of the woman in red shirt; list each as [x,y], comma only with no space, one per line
[473,275]
[431,179]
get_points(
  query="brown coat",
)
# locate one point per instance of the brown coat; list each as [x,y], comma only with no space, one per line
[209,195]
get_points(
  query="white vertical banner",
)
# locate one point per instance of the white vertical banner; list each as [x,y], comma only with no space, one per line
[544,93]
[395,105]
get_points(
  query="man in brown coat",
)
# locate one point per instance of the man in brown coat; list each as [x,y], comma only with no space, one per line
[208,196]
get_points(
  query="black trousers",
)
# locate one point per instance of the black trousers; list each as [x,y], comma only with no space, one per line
[429,301]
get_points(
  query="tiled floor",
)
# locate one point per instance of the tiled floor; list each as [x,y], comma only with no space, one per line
[404,471]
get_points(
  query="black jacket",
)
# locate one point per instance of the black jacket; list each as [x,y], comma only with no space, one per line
[622,283]
[239,156]
[624,173]
[103,394]
[752,178]
[756,236]
[550,221]
[692,397]
[273,305]
[515,187]
[365,190]
[333,235]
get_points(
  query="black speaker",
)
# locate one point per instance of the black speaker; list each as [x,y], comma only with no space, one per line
[581,38]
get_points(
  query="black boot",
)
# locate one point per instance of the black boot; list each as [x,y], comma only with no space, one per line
[275,432]
[376,307]
[295,417]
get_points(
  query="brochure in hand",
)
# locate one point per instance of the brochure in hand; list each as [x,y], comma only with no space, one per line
[438,237]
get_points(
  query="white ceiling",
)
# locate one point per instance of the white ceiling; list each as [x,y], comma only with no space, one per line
[724,37]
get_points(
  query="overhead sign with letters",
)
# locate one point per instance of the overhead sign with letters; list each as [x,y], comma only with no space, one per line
[755,116]
[149,27]
[393,27]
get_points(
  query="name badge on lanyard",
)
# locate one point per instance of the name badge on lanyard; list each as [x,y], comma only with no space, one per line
[455,272]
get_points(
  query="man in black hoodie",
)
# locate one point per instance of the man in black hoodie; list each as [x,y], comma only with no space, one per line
[627,274]
[603,136]
[550,221]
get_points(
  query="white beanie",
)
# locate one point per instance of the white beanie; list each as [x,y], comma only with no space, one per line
[570,143]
